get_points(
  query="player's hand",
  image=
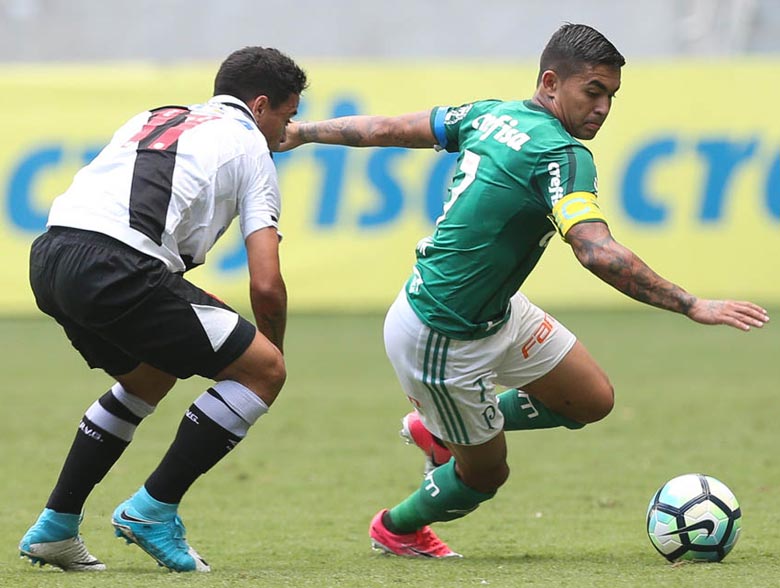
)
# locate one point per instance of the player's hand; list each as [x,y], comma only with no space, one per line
[292,138]
[734,313]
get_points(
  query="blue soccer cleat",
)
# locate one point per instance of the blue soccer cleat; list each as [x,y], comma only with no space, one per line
[54,540]
[160,533]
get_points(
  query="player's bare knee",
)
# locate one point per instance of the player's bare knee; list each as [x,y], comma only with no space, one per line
[277,374]
[602,404]
[270,379]
[485,480]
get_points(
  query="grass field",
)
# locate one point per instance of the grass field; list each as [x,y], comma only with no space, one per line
[291,505]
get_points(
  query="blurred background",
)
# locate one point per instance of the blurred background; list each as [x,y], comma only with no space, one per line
[180,31]
[689,162]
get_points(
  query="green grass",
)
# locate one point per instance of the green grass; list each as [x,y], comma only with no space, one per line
[291,505]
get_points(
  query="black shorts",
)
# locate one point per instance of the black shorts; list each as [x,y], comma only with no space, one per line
[120,307]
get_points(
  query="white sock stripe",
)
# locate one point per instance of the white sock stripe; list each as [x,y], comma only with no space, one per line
[242,400]
[216,410]
[138,407]
[109,423]
[238,409]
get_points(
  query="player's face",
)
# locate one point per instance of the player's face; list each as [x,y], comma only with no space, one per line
[273,121]
[583,99]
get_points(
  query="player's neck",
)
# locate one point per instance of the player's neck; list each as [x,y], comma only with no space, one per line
[540,99]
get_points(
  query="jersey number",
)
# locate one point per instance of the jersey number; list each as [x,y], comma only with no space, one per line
[152,182]
[468,166]
[165,126]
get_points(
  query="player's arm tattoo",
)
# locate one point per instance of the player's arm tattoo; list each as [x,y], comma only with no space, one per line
[622,269]
[273,327]
[409,130]
[271,316]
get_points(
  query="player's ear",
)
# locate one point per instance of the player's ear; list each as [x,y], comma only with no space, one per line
[550,82]
[258,105]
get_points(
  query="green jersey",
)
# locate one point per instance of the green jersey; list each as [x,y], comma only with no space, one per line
[520,176]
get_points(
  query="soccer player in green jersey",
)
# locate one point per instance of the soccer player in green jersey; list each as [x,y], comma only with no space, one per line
[460,327]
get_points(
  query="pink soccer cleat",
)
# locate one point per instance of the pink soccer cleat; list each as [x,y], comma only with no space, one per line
[415,433]
[422,543]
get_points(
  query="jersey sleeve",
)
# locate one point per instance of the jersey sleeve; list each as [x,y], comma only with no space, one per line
[445,123]
[259,202]
[568,183]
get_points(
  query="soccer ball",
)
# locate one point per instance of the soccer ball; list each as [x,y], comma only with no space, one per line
[693,518]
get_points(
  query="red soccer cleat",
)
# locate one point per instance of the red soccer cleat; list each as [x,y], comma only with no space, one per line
[415,433]
[422,543]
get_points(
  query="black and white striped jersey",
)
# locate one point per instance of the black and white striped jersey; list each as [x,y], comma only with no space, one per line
[172,179]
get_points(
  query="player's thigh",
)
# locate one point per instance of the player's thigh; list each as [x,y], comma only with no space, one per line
[537,344]
[577,387]
[147,383]
[450,382]
[122,308]
[180,329]
[546,361]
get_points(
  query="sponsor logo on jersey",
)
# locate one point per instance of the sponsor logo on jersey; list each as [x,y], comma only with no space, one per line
[554,187]
[501,129]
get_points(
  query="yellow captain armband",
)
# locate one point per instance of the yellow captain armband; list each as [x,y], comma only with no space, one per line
[575,208]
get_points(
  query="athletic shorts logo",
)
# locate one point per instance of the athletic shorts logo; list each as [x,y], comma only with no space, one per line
[540,335]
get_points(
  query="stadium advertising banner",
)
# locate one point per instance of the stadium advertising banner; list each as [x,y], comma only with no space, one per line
[689,175]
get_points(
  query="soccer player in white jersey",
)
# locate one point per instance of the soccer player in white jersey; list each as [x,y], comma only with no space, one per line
[110,270]
[460,327]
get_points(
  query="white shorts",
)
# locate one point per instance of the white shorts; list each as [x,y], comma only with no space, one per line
[452,383]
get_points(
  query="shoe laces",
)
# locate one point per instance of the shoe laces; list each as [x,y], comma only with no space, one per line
[178,534]
[432,544]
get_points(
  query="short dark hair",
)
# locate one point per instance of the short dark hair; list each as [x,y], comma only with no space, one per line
[259,71]
[574,45]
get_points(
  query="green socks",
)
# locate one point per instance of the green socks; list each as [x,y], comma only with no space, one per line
[521,413]
[442,497]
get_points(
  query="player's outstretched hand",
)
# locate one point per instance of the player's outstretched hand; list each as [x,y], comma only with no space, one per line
[735,313]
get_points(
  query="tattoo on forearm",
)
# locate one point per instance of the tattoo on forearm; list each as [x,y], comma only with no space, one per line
[273,328]
[344,133]
[367,131]
[626,272]
[271,318]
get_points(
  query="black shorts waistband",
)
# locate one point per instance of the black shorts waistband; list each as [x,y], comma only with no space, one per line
[76,236]
[88,237]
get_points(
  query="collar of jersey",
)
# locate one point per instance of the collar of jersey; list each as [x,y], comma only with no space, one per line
[228,100]
[538,107]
